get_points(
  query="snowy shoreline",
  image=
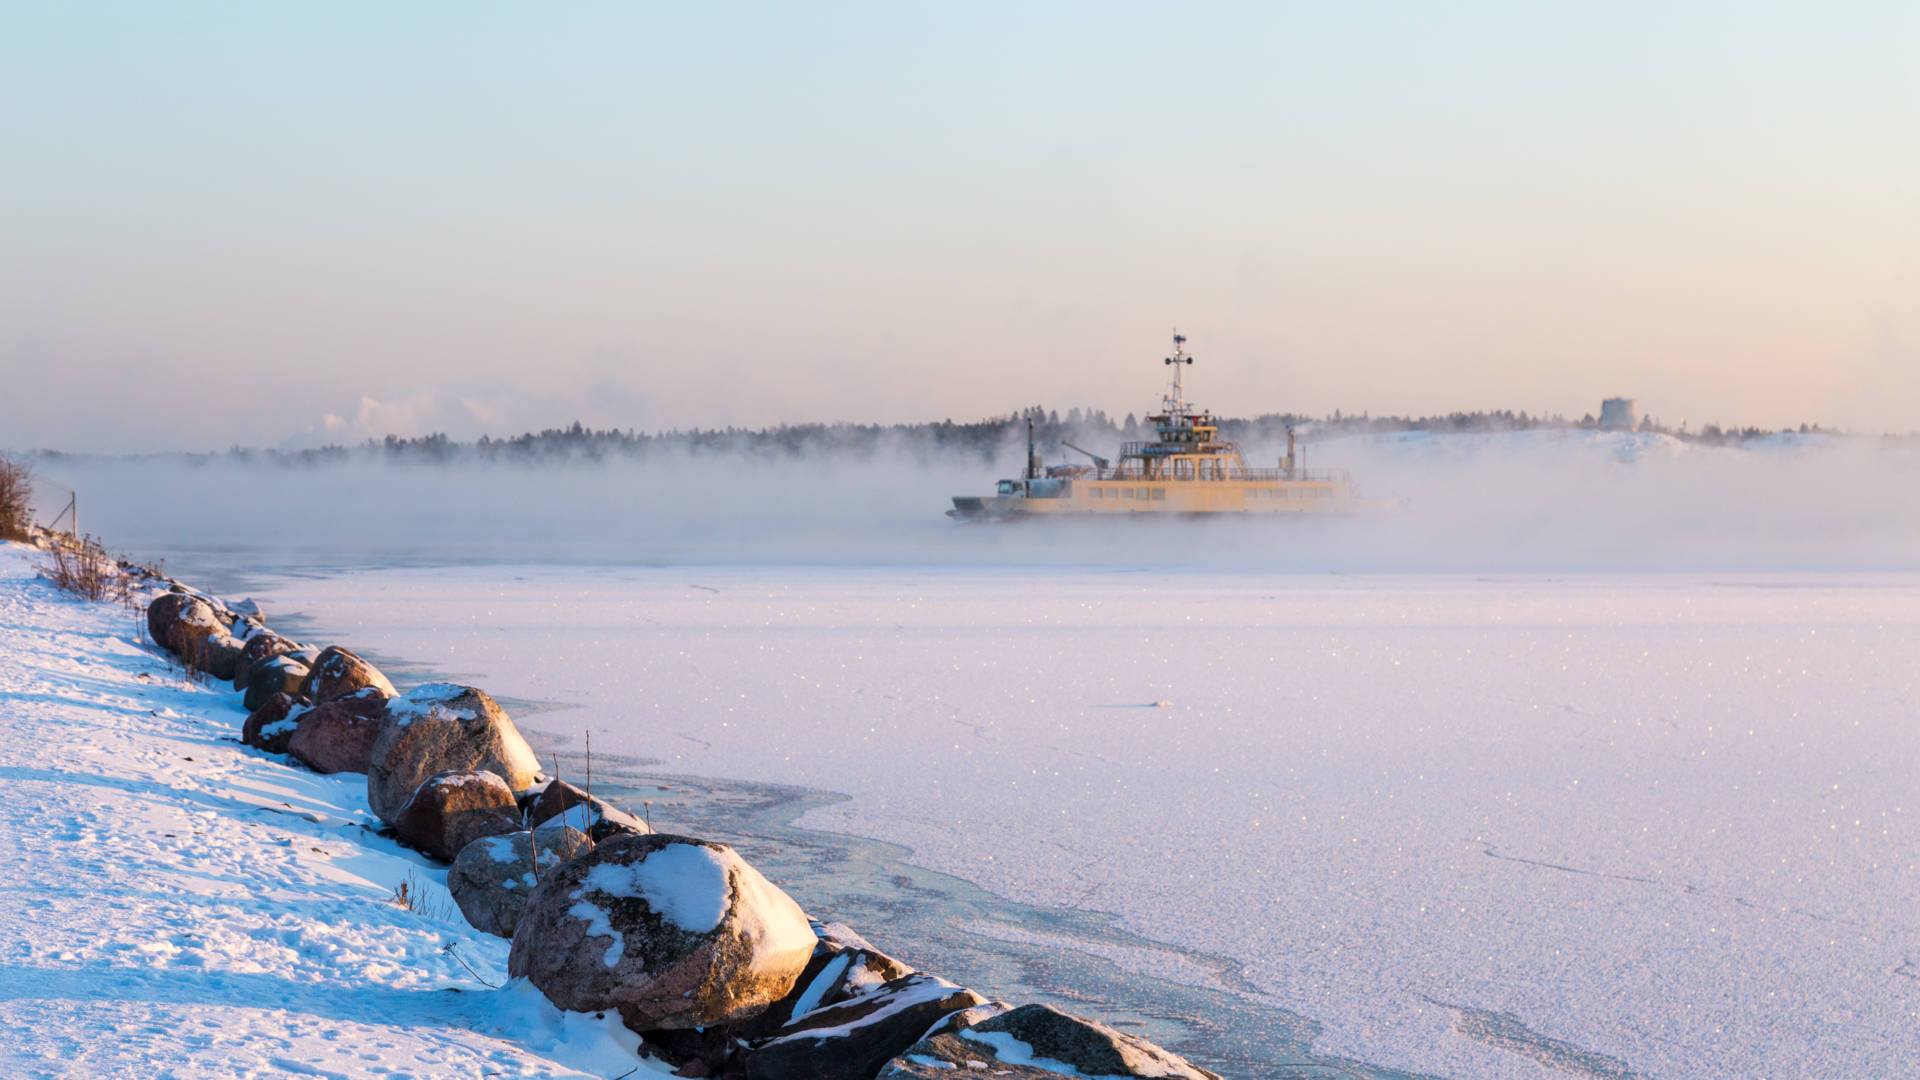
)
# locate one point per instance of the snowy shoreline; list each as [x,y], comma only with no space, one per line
[189,907]
[326,815]
[1813,665]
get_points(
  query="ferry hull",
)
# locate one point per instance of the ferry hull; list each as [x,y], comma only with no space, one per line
[974,509]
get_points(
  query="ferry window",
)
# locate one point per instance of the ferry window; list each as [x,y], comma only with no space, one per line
[1126,493]
[1096,493]
[1160,493]
[1006,487]
[1249,494]
[1139,493]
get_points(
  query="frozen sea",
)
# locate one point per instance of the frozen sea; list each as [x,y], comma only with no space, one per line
[1599,763]
[1474,826]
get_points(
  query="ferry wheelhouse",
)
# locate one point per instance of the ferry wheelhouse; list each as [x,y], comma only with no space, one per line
[1186,469]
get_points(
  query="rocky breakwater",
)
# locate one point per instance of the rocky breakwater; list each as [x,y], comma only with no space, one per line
[716,968]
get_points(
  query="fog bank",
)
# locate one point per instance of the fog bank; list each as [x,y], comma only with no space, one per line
[1512,501]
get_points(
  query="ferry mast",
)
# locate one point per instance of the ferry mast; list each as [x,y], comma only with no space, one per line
[1175,400]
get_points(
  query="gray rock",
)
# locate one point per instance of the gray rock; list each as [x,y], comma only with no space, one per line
[855,1039]
[339,735]
[670,931]
[274,675]
[492,877]
[338,672]
[439,728]
[450,810]
[270,726]
[1034,1042]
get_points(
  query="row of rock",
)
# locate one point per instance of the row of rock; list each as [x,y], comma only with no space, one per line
[718,970]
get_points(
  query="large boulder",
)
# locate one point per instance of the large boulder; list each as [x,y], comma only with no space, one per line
[338,672]
[272,725]
[670,931]
[441,727]
[492,877]
[560,803]
[258,648]
[194,622]
[1036,1042]
[217,656]
[855,1039]
[338,736]
[274,675]
[161,612]
[453,809]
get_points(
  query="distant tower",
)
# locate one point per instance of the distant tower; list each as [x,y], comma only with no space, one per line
[1617,414]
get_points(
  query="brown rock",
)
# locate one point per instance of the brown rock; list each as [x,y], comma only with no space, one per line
[274,675]
[338,672]
[254,650]
[338,736]
[270,726]
[161,612]
[440,727]
[560,803]
[671,931]
[217,656]
[195,622]
[453,809]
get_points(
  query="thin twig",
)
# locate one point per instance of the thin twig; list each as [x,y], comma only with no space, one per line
[451,951]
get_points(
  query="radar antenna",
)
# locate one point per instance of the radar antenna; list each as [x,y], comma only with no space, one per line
[1176,401]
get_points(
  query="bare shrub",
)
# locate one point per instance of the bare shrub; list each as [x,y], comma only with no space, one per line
[84,569]
[16,500]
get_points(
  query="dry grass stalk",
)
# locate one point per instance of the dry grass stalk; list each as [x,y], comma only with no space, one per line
[413,895]
[84,569]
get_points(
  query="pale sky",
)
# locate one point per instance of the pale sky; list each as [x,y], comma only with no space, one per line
[223,224]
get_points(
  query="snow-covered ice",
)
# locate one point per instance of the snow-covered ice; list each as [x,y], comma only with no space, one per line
[177,905]
[1473,826]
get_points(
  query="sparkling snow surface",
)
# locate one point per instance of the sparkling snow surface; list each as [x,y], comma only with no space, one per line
[177,905]
[1664,820]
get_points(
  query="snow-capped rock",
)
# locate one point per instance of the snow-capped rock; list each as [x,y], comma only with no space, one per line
[855,1039]
[1037,1041]
[257,649]
[671,931]
[272,725]
[338,672]
[442,727]
[274,675]
[561,803]
[450,810]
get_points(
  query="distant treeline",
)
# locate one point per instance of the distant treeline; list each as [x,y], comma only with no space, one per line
[982,440]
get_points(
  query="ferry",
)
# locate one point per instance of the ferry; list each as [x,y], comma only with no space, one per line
[1187,469]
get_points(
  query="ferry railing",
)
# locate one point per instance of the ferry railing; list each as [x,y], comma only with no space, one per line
[1133,471]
